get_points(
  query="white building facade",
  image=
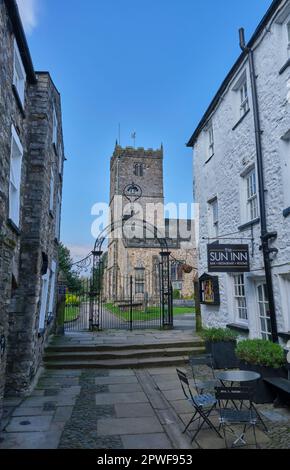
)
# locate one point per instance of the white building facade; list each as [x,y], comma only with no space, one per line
[226,180]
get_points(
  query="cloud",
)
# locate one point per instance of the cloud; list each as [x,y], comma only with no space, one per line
[28,10]
[79,252]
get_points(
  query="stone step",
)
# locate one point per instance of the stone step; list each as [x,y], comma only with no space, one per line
[119,363]
[62,347]
[122,353]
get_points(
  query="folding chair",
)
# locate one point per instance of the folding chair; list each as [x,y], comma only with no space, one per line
[203,405]
[203,385]
[239,415]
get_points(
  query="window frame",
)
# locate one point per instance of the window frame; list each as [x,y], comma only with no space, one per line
[265,333]
[252,207]
[60,160]
[139,169]
[52,287]
[15,179]
[241,97]
[140,281]
[54,127]
[214,217]
[58,216]
[288,31]
[43,301]
[244,97]
[52,188]
[240,299]
[19,74]
[211,143]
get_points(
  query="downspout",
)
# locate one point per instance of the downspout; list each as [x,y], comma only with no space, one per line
[265,236]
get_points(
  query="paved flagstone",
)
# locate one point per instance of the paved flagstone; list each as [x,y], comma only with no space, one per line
[133,410]
[121,426]
[146,441]
[118,408]
[112,398]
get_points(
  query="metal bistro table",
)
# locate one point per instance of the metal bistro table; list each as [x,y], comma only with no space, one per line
[241,376]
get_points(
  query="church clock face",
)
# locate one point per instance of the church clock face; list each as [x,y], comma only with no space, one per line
[132,192]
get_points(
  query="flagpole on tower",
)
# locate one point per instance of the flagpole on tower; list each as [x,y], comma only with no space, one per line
[133,136]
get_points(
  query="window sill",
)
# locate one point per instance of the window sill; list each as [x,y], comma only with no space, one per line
[240,120]
[18,100]
[286,212]
[243,227]
[238,327]
[14,227]
[284,336]
[285,67]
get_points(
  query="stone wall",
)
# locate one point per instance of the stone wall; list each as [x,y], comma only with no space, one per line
[10,113]
[221,177]
[26,340]
[22,247]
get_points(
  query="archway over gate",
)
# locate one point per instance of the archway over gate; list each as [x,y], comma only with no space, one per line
[132,307]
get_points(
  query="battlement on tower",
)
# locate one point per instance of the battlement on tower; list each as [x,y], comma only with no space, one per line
[139,152]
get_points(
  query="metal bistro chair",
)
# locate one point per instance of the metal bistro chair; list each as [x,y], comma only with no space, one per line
[203,385]
[239,415]
[203,405]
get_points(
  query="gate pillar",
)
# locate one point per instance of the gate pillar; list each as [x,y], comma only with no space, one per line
[96,292]
[166,295]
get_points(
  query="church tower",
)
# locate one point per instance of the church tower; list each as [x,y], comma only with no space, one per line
[137,174]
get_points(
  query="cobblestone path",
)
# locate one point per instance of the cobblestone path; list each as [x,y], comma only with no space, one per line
[80,431]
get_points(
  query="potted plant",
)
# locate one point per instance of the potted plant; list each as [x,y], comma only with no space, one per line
[187,269]
[221,343]
[265,358]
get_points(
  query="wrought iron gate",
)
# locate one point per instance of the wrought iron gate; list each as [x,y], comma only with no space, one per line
[90,306]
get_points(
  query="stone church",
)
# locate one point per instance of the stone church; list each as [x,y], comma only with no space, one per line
[137,196]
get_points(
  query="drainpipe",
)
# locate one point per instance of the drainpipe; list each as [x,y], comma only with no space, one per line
[265,236]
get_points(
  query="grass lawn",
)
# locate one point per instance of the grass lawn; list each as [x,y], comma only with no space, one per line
[71,313]
[183,310]
[152,313]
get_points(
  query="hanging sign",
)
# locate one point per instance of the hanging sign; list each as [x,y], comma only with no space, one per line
[209,290]
[228,258]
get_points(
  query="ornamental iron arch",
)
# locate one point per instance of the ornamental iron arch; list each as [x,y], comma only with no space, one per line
[87,307]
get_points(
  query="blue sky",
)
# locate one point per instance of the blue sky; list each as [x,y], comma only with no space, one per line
[152,65]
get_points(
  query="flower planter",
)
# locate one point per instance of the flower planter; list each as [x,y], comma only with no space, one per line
[223,353]
[263,393]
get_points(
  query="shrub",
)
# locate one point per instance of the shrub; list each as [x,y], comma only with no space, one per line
[176,294]
[261,352]
[72,300]
[218,334]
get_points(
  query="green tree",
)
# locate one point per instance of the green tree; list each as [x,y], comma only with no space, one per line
[66,266]
[98,273]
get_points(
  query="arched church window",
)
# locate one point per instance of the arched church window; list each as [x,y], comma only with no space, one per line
[139,169]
